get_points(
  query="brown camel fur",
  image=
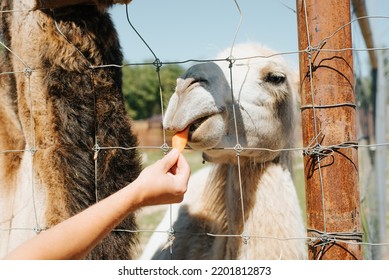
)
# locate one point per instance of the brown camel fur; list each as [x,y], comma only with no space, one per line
[55,107]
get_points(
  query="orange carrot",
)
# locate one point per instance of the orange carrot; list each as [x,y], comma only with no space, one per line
[180,139]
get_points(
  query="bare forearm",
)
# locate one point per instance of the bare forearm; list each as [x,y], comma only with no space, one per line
[159,183]
[77,236]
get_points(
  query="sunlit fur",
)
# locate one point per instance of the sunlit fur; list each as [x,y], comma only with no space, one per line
[73,108]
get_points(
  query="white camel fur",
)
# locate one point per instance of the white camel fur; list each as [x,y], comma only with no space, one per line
[264,96]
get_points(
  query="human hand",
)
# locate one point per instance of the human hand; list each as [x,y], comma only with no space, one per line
[165,181]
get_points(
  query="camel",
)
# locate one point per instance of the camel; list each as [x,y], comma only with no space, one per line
[244,204]
[57,114]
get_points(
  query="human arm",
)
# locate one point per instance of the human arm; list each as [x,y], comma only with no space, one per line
[161,183]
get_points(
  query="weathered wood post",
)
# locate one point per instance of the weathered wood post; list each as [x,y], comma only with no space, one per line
[329,129]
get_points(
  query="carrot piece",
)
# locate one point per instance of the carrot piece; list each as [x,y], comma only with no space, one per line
[180,139]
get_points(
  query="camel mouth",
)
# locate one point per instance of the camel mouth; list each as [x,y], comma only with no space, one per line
[196,124]
[202,121]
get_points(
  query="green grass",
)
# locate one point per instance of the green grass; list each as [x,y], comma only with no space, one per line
[194,158]
[299,181]
[148,221]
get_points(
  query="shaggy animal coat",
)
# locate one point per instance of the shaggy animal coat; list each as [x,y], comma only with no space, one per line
[265,108]
[62,107]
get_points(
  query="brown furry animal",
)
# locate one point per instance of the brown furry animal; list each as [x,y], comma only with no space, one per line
[55,111]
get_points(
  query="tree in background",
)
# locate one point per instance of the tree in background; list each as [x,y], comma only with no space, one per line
[141,88]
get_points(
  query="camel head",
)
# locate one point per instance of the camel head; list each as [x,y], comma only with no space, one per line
[255,108]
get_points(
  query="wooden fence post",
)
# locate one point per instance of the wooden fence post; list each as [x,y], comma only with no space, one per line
[329,129]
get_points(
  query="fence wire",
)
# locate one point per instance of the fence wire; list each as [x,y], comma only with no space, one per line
[321,239]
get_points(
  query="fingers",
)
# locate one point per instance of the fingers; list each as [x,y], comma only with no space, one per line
[183,168]
[175,163]
[170,160]
[165,181]
[181,178]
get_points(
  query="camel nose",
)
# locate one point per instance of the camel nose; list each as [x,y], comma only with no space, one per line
[184,86]
[207,75]
[201,91]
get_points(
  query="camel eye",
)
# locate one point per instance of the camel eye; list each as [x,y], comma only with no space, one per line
[275,78]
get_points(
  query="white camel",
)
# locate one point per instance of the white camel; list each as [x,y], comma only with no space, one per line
[241,207]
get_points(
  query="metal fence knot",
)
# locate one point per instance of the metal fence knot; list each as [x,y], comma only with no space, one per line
[231,60]
[318,151]
[39,229]
[165,148]
[170,241]
[310,50]
[96,149]
[324,238]
[245,238]
[238,149]
[33,150]
[158,64]
[27,72]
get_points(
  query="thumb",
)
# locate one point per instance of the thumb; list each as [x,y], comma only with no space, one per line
[170,159]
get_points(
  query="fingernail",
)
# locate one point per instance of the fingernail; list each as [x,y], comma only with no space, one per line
[174,152]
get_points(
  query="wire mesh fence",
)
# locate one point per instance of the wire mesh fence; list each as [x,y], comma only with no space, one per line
[32,194]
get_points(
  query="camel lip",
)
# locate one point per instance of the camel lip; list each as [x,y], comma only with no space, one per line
[196,124]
